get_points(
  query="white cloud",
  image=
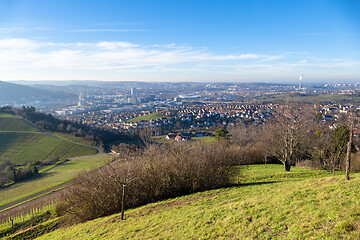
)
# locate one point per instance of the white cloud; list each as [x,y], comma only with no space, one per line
[21,58]
[18,43]
[115,45]
[111,30]
[25,53]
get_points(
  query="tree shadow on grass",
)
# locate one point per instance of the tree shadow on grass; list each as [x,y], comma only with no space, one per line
[252,183]
[32,178]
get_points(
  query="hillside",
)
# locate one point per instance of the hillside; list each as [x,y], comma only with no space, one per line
[267,204]
[10,123]
[17,92]
[21,143]
[50,178]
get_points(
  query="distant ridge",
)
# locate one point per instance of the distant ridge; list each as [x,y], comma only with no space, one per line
[17,92]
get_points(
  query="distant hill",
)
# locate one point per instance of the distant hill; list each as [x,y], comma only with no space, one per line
[17,92]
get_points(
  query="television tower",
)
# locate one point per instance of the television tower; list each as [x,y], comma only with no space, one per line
[300,78]
[81,99]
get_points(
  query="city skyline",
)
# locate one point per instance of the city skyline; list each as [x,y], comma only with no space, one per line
[233,41]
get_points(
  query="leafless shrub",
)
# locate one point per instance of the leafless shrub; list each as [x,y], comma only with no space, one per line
[160,172]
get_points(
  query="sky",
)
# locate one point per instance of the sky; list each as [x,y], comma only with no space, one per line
[187,40]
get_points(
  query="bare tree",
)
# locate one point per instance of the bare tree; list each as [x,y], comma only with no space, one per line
[286,138]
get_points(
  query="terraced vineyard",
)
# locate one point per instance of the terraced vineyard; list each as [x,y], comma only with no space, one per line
[21,143]
[22,148]
[10,123]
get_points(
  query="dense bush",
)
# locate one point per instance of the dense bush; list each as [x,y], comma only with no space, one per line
[6,173]
[10,173]
[50,160]
[160,172]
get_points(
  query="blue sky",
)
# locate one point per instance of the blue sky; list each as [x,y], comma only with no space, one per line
[237,41]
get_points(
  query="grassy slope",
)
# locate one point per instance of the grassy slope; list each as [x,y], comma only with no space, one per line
[74,139]
[56,176]
[147,117]
[21,147]
[22,143]
[269,203]
[10,123]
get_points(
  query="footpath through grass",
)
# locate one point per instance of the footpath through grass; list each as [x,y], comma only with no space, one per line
[56,176]
[266,204]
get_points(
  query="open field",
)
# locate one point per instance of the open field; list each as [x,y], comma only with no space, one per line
[268,203]
[6,115]
[22,147]
[10,123]
[56,176]
[148,117]
[206,140]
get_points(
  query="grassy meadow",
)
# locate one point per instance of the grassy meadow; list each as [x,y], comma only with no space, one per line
[264,203]
[55,176]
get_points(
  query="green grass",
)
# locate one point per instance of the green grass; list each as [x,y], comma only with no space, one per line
[22,143]
[8,115]
[74,139]
[22,147]
[56,176]
[267,204]
[148,117]
[79,150]
[206,140]
[10,123]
